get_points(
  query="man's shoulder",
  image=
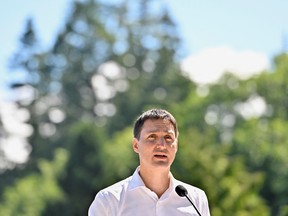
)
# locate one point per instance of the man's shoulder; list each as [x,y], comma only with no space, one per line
[116,188]
[109,196]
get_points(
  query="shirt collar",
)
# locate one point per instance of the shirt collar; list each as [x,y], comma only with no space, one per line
[136,181]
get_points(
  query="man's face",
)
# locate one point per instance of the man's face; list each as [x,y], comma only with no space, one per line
[157,145]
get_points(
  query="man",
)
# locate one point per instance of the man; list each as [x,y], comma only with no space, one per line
[150,191]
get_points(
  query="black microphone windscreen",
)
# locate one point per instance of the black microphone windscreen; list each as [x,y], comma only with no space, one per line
[181,190]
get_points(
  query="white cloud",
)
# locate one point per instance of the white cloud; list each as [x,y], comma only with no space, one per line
[209,65]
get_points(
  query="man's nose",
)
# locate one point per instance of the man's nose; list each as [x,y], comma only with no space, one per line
[161,142]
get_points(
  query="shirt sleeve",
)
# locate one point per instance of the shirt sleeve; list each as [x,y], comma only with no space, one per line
[99,206]
[205,205]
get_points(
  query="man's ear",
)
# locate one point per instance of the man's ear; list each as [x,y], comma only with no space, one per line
[135,145]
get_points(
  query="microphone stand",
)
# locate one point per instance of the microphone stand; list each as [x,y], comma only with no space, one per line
[192,204]
[182,191]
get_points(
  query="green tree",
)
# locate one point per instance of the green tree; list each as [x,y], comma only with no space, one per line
[149,62]
[32,194]
[256,136]
[231,189]
[84,172]
[263,140]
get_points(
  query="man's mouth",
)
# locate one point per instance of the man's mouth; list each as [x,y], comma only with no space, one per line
[160,156]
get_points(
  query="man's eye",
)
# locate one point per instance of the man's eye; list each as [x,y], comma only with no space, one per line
[169,138]
[151,137]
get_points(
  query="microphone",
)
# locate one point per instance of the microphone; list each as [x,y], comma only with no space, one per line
[182,191]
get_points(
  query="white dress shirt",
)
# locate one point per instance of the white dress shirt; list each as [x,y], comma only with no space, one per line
[130,197]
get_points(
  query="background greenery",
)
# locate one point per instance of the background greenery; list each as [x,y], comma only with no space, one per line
[241,163]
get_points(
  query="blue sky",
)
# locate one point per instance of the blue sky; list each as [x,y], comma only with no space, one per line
[259,25]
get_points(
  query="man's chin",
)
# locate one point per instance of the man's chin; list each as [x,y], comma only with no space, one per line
[163,164]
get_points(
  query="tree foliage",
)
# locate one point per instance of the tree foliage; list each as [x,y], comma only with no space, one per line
[34,192]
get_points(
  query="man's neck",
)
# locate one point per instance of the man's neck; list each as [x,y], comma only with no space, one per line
[156,180]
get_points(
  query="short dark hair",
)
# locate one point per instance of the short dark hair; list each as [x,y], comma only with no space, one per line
[154,114]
